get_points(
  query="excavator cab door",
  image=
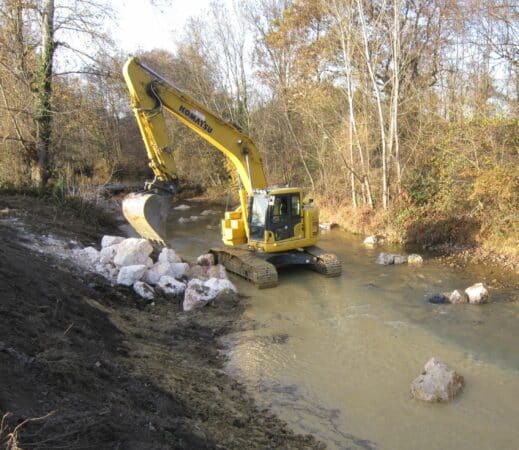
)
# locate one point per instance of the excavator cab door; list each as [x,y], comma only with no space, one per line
[284,214]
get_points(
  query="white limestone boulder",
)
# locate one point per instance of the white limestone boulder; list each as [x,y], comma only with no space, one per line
[458,296]
[89,256]
[168,255]
[151,277]
[128,275]
[132,251]
[198,272]
[414,259]
[327,226]
[178,270]
[207,259]
[217,271]
[144,290]
[109,271]
[199,293]
[108,241]
[171,286]
[387,259]
[175,270]
[399,259]
[370,241]
[437,383]
[477,293]
[107,254]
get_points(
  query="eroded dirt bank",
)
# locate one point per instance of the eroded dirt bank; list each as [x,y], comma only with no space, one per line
[103,368]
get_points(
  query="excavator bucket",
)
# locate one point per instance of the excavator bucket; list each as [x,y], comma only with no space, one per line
[147,214]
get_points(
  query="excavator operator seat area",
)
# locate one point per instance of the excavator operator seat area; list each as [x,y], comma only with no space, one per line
[278,213]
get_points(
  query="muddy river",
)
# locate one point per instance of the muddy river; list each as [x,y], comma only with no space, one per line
[335,357]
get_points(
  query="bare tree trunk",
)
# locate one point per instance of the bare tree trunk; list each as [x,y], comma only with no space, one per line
[376,90]
[352,162]
[395,91]
[43,117]
[345,37]
[298,145]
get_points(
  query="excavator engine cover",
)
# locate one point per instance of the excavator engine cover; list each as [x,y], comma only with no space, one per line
[147,214]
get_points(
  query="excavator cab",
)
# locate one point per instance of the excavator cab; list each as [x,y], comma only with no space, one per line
[278,218]
[274,215]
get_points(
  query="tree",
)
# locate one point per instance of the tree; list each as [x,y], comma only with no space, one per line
[41,30]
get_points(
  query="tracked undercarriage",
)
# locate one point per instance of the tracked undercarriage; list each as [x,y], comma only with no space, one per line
[261,268]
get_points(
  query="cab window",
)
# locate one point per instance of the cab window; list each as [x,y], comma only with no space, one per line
[280,207]
[295,206]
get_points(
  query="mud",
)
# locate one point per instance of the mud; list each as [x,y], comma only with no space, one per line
[87,365]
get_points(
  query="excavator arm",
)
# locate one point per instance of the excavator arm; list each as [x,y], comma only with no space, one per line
[151,95]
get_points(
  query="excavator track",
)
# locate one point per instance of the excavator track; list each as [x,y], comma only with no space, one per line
[248,265]
[325,263]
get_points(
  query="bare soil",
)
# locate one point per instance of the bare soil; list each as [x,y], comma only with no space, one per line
[103,369]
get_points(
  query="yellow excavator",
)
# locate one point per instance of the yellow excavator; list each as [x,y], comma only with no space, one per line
[272,227]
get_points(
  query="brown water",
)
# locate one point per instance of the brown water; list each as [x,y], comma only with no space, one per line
[335,357]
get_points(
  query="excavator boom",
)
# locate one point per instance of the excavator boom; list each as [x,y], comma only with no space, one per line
[150,96]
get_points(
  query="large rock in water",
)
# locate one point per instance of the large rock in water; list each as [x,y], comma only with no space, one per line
[370,241]
[477,293]
[385,259]
[438,299]
[399,259]
[414,259]
[199,293]
[458,296]
[132,251]
[437,383]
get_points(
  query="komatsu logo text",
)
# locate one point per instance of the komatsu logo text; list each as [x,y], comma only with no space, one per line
[196,117]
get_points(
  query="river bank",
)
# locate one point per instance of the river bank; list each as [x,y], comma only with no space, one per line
[454,241]
[87,364]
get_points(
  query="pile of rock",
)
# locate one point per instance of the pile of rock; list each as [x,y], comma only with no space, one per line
[128,262]
[386,259]
[475,295]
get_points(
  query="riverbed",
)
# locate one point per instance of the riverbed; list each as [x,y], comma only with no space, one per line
[335,357]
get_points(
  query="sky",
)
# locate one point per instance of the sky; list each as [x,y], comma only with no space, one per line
[140,25]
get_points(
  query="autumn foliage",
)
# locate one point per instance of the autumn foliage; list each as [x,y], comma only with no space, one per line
[399,117]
